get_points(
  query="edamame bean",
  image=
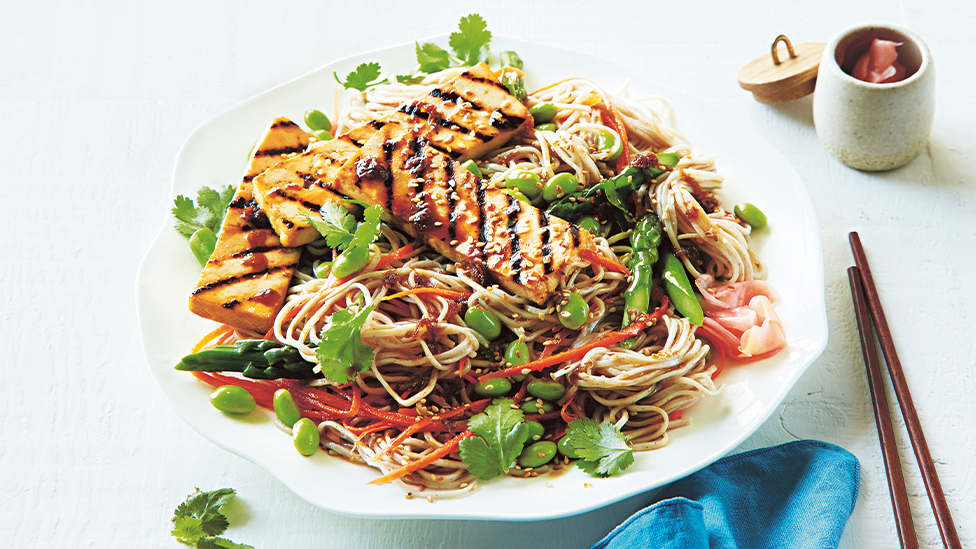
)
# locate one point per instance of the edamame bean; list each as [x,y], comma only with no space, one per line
[559,185]
[750,214]
[322,269]
[536,430]
[472,167]
[305,435]
[514,193]
[525,182]
[232,399]
[483,321]
[286,408]
[350,261]
[535,406]
[517,353]
[317,120]
[493,387]
[608,142]
[322,135]
[545,389]
[203,242]
[548,127]
[537,455]
[565,449]
[573,311]
[542,113]
[590,224]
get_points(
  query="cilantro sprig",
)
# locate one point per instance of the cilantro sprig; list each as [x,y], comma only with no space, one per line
[602,448]
[201,223]
[339,227]
[342,353]
[469,44]
[198,521]
[501,435]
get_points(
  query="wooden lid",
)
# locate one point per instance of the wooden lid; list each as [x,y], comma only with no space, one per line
[774,80]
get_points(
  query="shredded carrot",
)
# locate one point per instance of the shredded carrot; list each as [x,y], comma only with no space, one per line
[675,415]
[604,261]
[443,292]
[430,458]
[503,70]
[220,332]
[567,415]
[618,124]
[632,330]
[477,405]
[592,99]
[394,255]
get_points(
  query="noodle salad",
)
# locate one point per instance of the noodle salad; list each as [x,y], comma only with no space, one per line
[470,280]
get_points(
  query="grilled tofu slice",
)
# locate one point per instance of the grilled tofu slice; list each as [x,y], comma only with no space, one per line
[246,279]
[528,252]
[466,117]
[303,182]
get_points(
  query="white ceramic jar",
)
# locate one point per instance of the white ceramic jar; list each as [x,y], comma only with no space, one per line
[874,126]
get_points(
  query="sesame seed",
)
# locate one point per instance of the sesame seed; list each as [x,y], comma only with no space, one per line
[549,484]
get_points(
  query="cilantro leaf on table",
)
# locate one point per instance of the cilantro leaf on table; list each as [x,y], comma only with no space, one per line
[602,448]
[342,353]
[501,435]
[209,214]
[432,58]
[365,75]
[473,35]
[198,520]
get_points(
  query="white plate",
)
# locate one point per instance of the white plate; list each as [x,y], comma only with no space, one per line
[215,153]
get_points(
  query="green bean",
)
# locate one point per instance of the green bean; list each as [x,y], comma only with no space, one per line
[538,454]
[679,289]
[608,142]
[323,269]
[573,311]
[232,399]
[317,120]
[493,387]
[286,408]
[560,185]
[203,242]
[590,224]
[750,214]
[565,449]
[536,406]
[546,389]
[525,182]
[350,261]
[535,429]
[483,321]
[547,127]
[543,113]
[305,435]
[472,167]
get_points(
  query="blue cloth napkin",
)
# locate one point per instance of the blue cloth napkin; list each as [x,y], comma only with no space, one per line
[796,495]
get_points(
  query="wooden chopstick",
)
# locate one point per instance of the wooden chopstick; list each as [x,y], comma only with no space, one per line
[943,518]
[882,415]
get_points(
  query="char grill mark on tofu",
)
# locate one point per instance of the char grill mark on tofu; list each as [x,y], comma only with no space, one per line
[246,279]
[467,116]
[461,216]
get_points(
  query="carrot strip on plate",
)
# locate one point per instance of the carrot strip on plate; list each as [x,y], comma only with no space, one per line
[437,454]
[477,405]
[394,255]
[604,261]
[443,292]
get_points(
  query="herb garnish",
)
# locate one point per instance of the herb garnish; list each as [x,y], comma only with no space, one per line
[198,521]
[501,437]
[342,353]
[602,448]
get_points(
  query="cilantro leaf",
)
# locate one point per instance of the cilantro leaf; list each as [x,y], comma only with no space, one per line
[432,58]
[342,353]
[473,36]
[187,529]
[602,448]
[409,78]
[369,229]
[501,438]
[221,543]
[210,213]
[335,224]
[365,75]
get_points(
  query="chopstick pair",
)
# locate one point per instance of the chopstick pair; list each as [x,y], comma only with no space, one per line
[867,306]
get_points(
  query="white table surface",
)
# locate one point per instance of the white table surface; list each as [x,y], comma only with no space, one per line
[96,98]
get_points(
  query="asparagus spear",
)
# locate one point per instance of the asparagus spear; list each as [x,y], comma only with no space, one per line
[255,358]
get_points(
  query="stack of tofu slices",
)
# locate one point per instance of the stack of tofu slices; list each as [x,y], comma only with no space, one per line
[409,166]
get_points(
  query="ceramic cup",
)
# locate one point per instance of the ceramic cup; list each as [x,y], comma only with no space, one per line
[874,126]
